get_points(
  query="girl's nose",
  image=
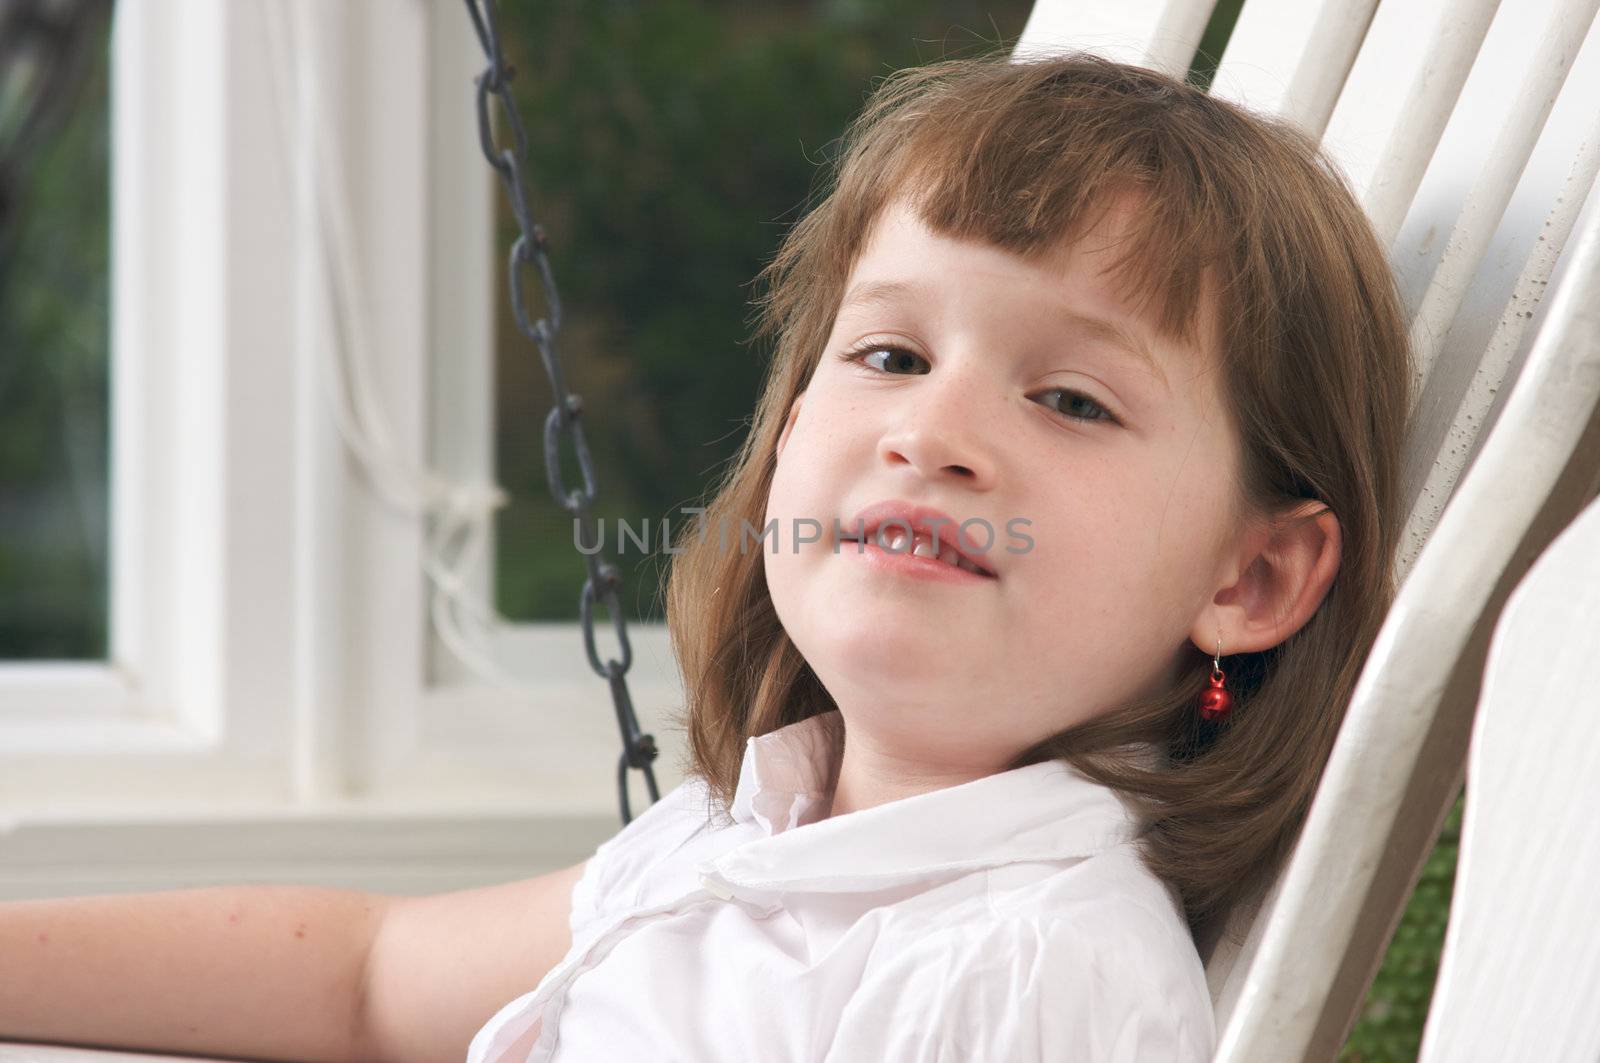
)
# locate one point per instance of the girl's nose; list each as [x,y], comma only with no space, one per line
[944,430]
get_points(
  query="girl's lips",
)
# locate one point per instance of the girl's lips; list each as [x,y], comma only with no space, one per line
[905,563]
[919,519]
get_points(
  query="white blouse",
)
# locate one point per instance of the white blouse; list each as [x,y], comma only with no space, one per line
[1008,918]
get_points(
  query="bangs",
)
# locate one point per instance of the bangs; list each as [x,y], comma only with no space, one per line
[1031,164]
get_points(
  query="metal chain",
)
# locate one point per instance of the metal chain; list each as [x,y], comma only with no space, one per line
[604,580]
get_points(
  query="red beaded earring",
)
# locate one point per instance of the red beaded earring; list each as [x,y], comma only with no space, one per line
[1214,700]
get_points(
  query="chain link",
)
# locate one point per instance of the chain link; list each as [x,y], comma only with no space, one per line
[604,581]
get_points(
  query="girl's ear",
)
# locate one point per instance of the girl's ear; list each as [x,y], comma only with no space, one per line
[1287,568]
[788,423]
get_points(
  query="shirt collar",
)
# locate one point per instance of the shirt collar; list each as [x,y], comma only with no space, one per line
[1045,811]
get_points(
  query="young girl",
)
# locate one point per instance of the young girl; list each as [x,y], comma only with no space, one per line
[980,803]
[1017,637]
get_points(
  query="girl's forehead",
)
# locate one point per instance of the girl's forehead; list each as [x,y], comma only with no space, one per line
[904,259]
[1082,274]
[900,241]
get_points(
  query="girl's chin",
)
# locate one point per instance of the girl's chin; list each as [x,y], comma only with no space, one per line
[867,656]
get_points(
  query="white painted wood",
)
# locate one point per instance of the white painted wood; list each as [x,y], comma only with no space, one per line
[35,691]
[33,1052]
[1400,93]
[1465,427]
[1291,60]
[424,847]
[1521,963]
[167,598]
[1160,34]
[497,795]
[1501,303]
[1534,96]
[464,299]
[364,125]
[317,712]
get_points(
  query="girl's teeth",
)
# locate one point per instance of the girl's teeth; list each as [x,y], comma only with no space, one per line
[894,539]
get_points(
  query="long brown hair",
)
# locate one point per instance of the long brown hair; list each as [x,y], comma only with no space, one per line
[1312,346]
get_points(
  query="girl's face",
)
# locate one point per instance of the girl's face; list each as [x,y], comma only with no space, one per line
[997,391]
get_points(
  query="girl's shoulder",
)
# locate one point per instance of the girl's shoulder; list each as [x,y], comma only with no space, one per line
[1115,889]
[623,865]
[1110,904]
[1107,968]
[683,812]
[1031,987]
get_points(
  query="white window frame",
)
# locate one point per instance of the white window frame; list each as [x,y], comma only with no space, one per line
[274,692]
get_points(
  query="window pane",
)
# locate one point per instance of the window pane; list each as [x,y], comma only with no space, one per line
[54,355]
[672,144]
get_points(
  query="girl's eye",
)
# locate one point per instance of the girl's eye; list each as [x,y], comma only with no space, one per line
[899,356]
[1077,400]
[1078,406]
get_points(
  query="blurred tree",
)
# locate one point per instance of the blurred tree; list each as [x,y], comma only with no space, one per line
[55,368]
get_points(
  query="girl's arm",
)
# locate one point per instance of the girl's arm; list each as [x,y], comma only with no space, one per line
[260,971]
[442,966]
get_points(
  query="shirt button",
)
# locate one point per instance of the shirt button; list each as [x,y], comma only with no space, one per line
[716,888]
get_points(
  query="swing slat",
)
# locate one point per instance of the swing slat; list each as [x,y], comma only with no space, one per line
[1291,60]
[1520,979]
[1159,34]
[1389,118]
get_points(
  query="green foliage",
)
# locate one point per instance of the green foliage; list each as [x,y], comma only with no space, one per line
[55,392]
[1389,1029]
[1208,54]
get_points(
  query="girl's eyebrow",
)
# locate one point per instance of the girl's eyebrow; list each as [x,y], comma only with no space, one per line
[876,293]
